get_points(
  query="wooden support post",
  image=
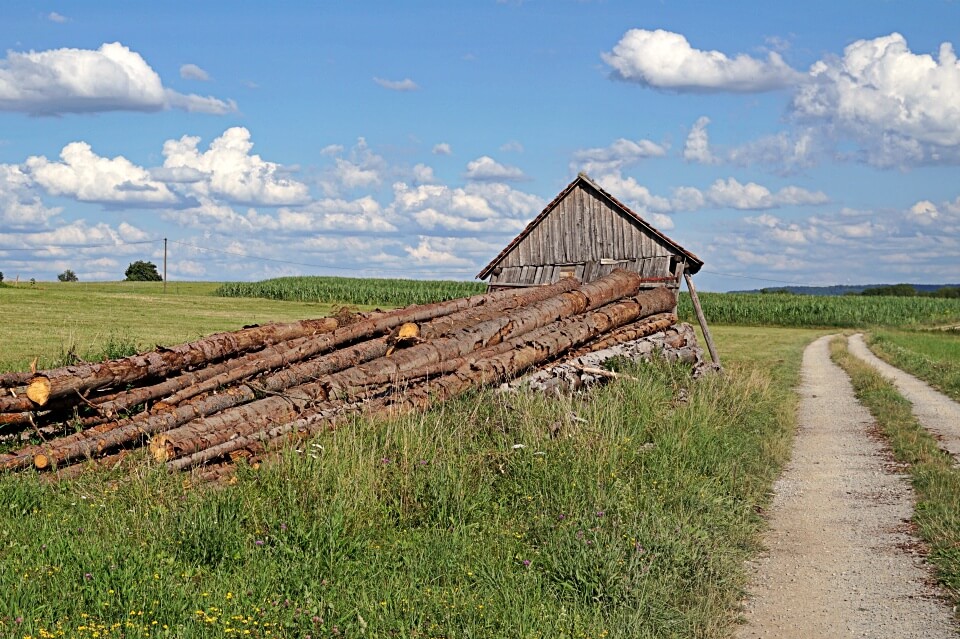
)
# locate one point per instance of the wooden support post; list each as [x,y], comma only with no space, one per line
[700,318]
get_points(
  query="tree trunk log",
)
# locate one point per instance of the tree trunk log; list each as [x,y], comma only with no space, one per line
[242,420]
[635,330]
[164,361]
[478,368]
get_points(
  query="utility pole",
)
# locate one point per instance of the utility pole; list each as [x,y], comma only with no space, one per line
[164,266]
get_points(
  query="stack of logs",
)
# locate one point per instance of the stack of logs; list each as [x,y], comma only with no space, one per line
[243,394]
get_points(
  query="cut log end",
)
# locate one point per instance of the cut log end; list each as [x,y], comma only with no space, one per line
[160,448]
[41,461]
[38,390]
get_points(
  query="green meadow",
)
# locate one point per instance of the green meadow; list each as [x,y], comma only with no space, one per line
[626,512]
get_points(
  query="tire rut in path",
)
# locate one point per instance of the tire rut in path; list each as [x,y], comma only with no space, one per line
[836,564]
[935,411]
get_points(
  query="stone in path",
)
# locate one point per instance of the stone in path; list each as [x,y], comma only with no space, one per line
[836,564]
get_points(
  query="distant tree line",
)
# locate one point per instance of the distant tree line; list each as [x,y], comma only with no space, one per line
[906,290]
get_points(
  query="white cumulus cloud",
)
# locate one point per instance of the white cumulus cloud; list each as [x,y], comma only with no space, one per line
[665,60]
[486,169]
[901,106]
[697,147]
[231,171]
[442,148]
[88,177]
[20,205]
[730,193]
[619,154]
[111,78]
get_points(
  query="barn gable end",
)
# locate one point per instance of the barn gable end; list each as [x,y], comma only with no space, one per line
[586,233]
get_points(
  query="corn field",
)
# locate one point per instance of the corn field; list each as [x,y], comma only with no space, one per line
[822,311]
[720,308]
[350,290]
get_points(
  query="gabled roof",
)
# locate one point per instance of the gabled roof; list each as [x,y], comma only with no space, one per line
[693,261]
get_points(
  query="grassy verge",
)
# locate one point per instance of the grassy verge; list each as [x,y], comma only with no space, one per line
[628,513]
[935,479]
[932,356]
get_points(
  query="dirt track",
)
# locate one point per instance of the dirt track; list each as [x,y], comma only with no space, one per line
[938,413]
[839,562]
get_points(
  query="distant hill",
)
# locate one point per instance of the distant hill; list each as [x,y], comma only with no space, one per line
[840,289]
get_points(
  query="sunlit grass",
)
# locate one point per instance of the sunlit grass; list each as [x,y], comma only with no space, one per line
[475,519]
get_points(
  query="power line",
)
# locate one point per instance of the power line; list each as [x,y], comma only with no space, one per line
[750,277]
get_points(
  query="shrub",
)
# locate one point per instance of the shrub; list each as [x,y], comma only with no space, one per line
[141,271]
[68,276]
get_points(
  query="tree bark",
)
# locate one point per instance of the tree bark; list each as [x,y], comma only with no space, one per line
[242,420]
[482,367]
[164,361]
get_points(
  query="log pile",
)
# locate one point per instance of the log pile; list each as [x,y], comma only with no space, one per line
[243,394]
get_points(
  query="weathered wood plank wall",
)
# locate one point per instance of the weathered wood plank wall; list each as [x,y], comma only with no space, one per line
[586,232]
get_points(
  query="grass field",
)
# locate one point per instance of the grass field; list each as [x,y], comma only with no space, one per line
[49,320]
[933,356]
[634,522]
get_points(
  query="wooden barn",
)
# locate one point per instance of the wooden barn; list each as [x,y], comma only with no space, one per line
[585,233]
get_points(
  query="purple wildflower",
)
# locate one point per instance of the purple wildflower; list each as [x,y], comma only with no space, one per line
[87,576]
[258,542]
[526,563]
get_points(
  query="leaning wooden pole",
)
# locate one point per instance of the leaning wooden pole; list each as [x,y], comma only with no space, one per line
[701,318]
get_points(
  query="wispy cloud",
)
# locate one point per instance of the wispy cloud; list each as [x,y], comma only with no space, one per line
[397,85]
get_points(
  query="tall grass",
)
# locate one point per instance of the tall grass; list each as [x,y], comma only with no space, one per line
[627,513]
[348,290]
[822,311]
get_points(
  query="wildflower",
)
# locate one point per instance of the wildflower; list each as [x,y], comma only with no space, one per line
[258,542]
[87,576]
[526,563]
[599,513]
[385,460]
[283,526]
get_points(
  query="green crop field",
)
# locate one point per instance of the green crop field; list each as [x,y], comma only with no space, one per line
[348,290]
[822,311]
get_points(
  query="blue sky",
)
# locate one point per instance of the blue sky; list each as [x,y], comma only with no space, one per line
[813,143]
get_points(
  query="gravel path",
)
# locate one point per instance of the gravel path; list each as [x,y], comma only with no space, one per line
[839,562]
[938,413]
